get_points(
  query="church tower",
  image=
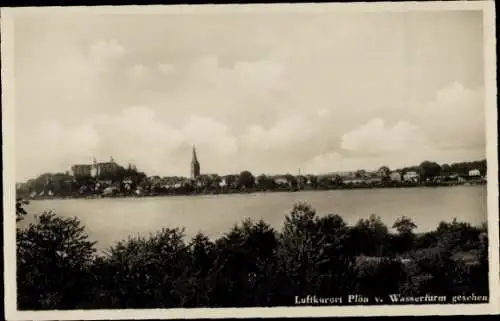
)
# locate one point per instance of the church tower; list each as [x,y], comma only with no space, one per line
[195,166]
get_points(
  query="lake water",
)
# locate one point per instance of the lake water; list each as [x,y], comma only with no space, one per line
[110,220]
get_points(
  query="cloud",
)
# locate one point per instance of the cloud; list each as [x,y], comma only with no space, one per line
[50,147]
[242,76]
[448,128]
[138,71]
[375,137]
[158,146]
[196,104]
[136,135]
[452,122]
[334,162]
[323,112]
[455,117]
[292,130]
[68,81]
[204,131]
[371,145]
[236,93]
[269,103]
[166,68]
[106,50]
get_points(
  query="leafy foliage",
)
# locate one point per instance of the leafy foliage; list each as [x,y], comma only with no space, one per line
[53,261]
[20,211]
[246,179]
[251,265]
[405,238]
[429,170]
[369,236]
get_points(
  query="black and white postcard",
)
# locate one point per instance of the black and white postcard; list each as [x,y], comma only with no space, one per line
[278,160]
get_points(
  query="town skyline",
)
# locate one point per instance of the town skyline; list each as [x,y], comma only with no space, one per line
[192,173]
[272,93]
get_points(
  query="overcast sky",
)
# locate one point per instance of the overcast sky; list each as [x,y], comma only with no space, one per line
[270,93]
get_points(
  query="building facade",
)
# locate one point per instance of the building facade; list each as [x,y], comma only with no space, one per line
[474,173]
[281,180]
[384,171]
[104,168]
[94,170]
[81,170]
[195,166]
[396,176]
[411,176]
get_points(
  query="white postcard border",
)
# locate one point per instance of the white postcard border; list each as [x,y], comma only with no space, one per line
[8,114]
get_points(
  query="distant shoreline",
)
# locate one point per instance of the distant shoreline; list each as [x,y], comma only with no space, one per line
[256,190]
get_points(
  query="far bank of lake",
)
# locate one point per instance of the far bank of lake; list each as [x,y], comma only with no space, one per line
[109,220]
[202,191]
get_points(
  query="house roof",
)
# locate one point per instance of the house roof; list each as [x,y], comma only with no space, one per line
[107,163]
[80,165]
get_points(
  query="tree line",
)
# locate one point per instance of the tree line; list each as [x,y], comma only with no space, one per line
[126,181]
[252,265]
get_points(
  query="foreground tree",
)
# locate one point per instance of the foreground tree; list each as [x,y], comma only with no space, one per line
[369,237]
[244,270]
[297,253]
[251,265]
[146,272]
[53,258]
[20,211]
[405,240]
[404,225]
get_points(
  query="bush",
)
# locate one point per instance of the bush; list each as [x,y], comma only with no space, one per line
[405,239]
[20,211]
[379,277]
[369,237]
[252,265]
[312,254]
[53,261]
[244,265]
[458,236]
[152,272]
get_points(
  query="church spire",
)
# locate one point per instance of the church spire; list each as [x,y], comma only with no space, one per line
[195,165]
[195,159]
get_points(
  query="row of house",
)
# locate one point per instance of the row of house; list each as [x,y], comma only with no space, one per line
[378,177]
[398,176]
[284,180]
[279,180]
